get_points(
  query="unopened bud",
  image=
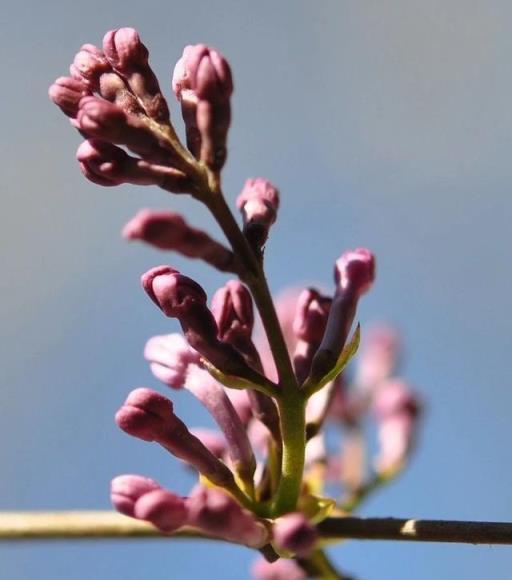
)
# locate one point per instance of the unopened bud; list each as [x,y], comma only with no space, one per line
[293,532]
[355,271]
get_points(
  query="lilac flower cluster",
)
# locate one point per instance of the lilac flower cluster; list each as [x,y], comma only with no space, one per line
[262,476]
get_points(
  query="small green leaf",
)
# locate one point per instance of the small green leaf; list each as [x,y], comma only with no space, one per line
[227,380]
[316,508]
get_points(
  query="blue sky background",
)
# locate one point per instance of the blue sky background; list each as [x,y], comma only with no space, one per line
[386,124]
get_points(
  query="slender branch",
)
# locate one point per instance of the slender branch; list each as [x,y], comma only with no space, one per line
[417,530]
[108,524]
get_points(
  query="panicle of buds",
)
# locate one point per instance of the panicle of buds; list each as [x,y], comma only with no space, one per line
[169,231]
[258,203]
[202,83]
[262,475]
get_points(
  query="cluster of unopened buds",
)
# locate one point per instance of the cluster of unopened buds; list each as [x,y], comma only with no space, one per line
[263,476]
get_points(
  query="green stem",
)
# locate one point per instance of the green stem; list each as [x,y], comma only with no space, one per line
[293,431]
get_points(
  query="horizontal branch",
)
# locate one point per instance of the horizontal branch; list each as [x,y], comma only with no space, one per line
[106,524]
[77,525]
[416,530]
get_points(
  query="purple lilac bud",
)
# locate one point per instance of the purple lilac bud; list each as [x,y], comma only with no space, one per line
[293,532]
[309,327]
[66,93]
[397,410]
[233,311]
[242,403]
[89,64]
[378,359]
[125,490]
[108,122]
[144,499]
[108,165]
[215,512]
[170,357]
[169,231]
[355,271]
[212,395]
[149,416]
[283,569]
[165,510]
[129,57]
[180,297]
[258,202]
[354,274]
[202,82]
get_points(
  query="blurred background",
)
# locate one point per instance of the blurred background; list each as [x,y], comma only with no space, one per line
[385,124]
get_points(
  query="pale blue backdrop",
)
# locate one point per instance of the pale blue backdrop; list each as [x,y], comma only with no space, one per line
[386,124]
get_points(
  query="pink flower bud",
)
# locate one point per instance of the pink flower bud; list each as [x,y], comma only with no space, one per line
[233,311]
[169,231]
[173,292]
[355,271]
[215,512]
[170,357]
[311,315]
[125,490]
[89,64]
[146,415]
[309,327]
[283,569]
[202,83]
[163,509]
[378,357]
[108,165]
[294,532]
[258,202]
[129,57]
[66,93]
[395,397]
[205,71]
[149,416]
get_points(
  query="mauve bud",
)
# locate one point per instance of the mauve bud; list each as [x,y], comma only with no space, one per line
[149,416]
[215,512]
[125,490]
[165,510]
[169,231]
[89,64]
[170,357]
[146,415]
[233,311]
[129,57]
[258,202]
[109,165]
[355,271]
[309,327]
[202,83]
[378,357]
[66,93]
[283,569]
[293,532]
[354,274]
[395,397]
